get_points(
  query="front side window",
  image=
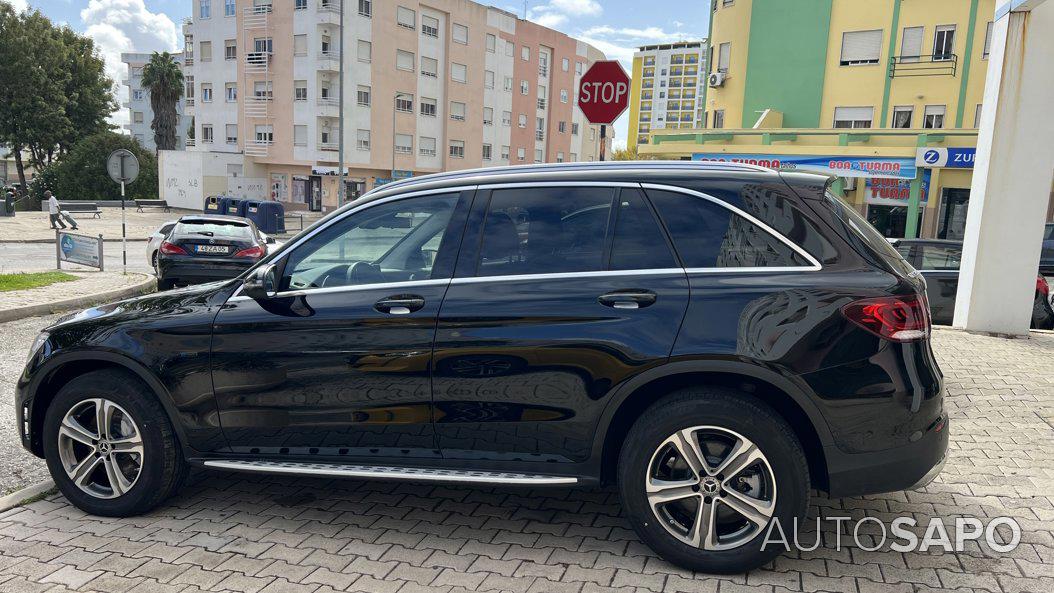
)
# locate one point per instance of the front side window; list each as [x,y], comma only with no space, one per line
[708,235]
[555,229]
[393,242]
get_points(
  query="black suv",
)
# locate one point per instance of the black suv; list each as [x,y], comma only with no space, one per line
[716,339]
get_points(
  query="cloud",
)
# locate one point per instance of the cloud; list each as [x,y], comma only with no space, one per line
[550,19]
[18,5]
[577,7]
[124,26]
[556,13]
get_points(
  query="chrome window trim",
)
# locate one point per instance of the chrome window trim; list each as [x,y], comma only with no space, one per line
[815,264]
[523,184]
[557,275]
[289,249]
[356,288]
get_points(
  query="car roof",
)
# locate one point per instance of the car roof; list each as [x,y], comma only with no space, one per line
[221,218]
[631,171]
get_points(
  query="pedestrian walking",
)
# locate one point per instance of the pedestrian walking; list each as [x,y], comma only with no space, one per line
[55,214]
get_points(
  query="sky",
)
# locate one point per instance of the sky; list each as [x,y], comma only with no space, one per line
[616,27]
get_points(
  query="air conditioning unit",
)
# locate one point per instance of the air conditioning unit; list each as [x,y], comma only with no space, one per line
[716,79]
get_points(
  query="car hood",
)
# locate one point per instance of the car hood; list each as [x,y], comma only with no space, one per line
[212,294]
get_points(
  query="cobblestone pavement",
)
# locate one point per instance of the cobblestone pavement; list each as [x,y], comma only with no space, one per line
[87,284]
[227,532]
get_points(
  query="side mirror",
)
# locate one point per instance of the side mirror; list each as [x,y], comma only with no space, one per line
[261,285]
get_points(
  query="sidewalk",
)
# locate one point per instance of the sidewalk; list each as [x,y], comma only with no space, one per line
[90,288]
[33,227]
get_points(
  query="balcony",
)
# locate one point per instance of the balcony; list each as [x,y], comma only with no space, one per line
[258,147]
[328,146]
[257,61]
[329,12]
[328,60]
[328,106]
[190,142]
[649,61]
[188,60]
[541,103]
[945,64]
[677,60]
[539,134]
[188,102]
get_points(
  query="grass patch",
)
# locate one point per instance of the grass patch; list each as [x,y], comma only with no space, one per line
[10,282]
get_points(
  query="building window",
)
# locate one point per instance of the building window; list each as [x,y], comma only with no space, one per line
[510,48]
[426,146]
[404,60]
[902,116]
[525,53]
[189,84]
[492,42]
[406,18]
[428,107]
[205,51]
[302,4]
[560,156]
[429,26]
[521,154]
[460,34]
[943,43]
[206,133]
[727,3]
[264,134]
[853,117]
[137,117]
[204,9]
[506,118]
[230,91]
[987,41]
[488,152]
[542,95]
[565,65]
[933,117]
[488,79]
[522,121]
[300,90]
[366,8]
[138,95]
[504,152]
[488,116]
[525,88]
[574,128]
[365,51]
[458,72]
[404,144]
[363,95]
[457,149]
[231,133]
[911,44]
[574,157]
[578,68]
[561,127]
[230,49]
[404,103]
[719,118]
[861,47]
[229,7]
[299,45]
[299,135]
[563,95]
[977,116]
[206,92]
[362,139]
[457,111]
[508,83]
[724,56]
[429,67]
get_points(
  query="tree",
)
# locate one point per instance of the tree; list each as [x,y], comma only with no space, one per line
[163,78]
[625,154]
[81,174]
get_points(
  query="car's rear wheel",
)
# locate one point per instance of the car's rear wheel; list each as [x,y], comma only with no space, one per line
[153,263]
[109,445]
[705,472]
[165,284]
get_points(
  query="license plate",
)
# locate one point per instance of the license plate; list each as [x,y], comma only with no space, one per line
[211,248]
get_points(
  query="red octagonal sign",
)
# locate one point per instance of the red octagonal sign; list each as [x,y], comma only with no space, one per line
[603,93]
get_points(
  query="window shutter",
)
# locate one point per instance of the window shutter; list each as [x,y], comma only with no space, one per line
[854,113]
[861,46]
[724,54]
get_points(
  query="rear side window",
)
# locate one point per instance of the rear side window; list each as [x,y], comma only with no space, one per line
[545,230]
[638,243]
[939,257]
[708,235]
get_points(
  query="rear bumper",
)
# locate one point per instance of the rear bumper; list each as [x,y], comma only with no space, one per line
[193,271]
[904,468]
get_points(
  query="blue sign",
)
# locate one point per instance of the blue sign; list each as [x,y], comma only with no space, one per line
[67,245]
[945,158]
[840,166]
[401,174]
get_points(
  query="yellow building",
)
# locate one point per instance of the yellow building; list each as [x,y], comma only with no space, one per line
[885,94]
[667,89]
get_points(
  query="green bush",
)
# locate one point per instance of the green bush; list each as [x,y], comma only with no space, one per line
[81,174]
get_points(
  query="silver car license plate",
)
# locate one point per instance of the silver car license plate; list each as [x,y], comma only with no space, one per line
[211,249]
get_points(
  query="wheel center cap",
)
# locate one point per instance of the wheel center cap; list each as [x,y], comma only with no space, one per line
[104,447]
[710,485]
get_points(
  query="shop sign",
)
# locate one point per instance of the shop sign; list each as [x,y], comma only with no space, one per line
[379,181]
[840,166]
[401,174]
[79,249]
[895,192]
[946,158]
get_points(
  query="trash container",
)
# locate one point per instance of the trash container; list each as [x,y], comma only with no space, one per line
[212,205]
[234,207]
[7,206]
[268,216]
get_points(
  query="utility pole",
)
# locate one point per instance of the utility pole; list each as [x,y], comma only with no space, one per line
[341,189]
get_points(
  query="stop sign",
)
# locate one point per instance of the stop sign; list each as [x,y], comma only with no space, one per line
[603,93]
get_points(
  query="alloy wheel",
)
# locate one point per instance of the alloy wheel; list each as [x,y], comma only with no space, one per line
[711,487]
[101,448]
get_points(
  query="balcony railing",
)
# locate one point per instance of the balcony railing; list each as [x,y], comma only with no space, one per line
[191,142]
[929,65]
[539,135]
[328,146]
[330,6]
[328,102]
[541,103]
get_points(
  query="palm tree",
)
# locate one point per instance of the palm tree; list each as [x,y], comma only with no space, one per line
[163,78]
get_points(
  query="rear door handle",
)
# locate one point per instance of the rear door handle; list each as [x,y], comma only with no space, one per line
[627,299]
[400,304]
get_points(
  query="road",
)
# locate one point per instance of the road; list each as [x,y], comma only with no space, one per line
[35,256]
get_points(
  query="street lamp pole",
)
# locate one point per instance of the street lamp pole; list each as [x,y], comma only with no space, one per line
[341,189]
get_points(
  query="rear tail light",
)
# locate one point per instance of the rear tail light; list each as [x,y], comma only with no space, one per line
[1041,286]
[254,252]
[895,318]
[172,249]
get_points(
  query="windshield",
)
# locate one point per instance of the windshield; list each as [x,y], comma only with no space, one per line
[220,230]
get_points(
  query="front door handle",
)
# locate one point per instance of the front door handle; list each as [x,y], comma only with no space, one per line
[627,299]
[400,304]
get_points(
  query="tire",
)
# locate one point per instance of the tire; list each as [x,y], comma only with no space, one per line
[165,284]
[153,263]
[133,410]
[721,419]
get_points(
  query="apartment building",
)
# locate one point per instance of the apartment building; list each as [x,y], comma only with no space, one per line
[140,114]
[428,86]
[667,89]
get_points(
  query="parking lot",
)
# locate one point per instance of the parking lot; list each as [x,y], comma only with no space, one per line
[230,532]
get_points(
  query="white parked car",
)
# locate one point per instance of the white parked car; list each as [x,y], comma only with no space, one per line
[158,236]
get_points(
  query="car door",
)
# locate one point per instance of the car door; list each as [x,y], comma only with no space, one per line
[558,298]
[337,363]
[939,263]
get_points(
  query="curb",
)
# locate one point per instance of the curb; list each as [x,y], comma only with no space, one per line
[20,497]
[147,285]
[52,241]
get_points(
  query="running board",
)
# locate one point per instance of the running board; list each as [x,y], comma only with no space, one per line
[337,470]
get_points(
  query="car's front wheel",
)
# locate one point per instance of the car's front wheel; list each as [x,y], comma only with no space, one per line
[705,472]
[109,445]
